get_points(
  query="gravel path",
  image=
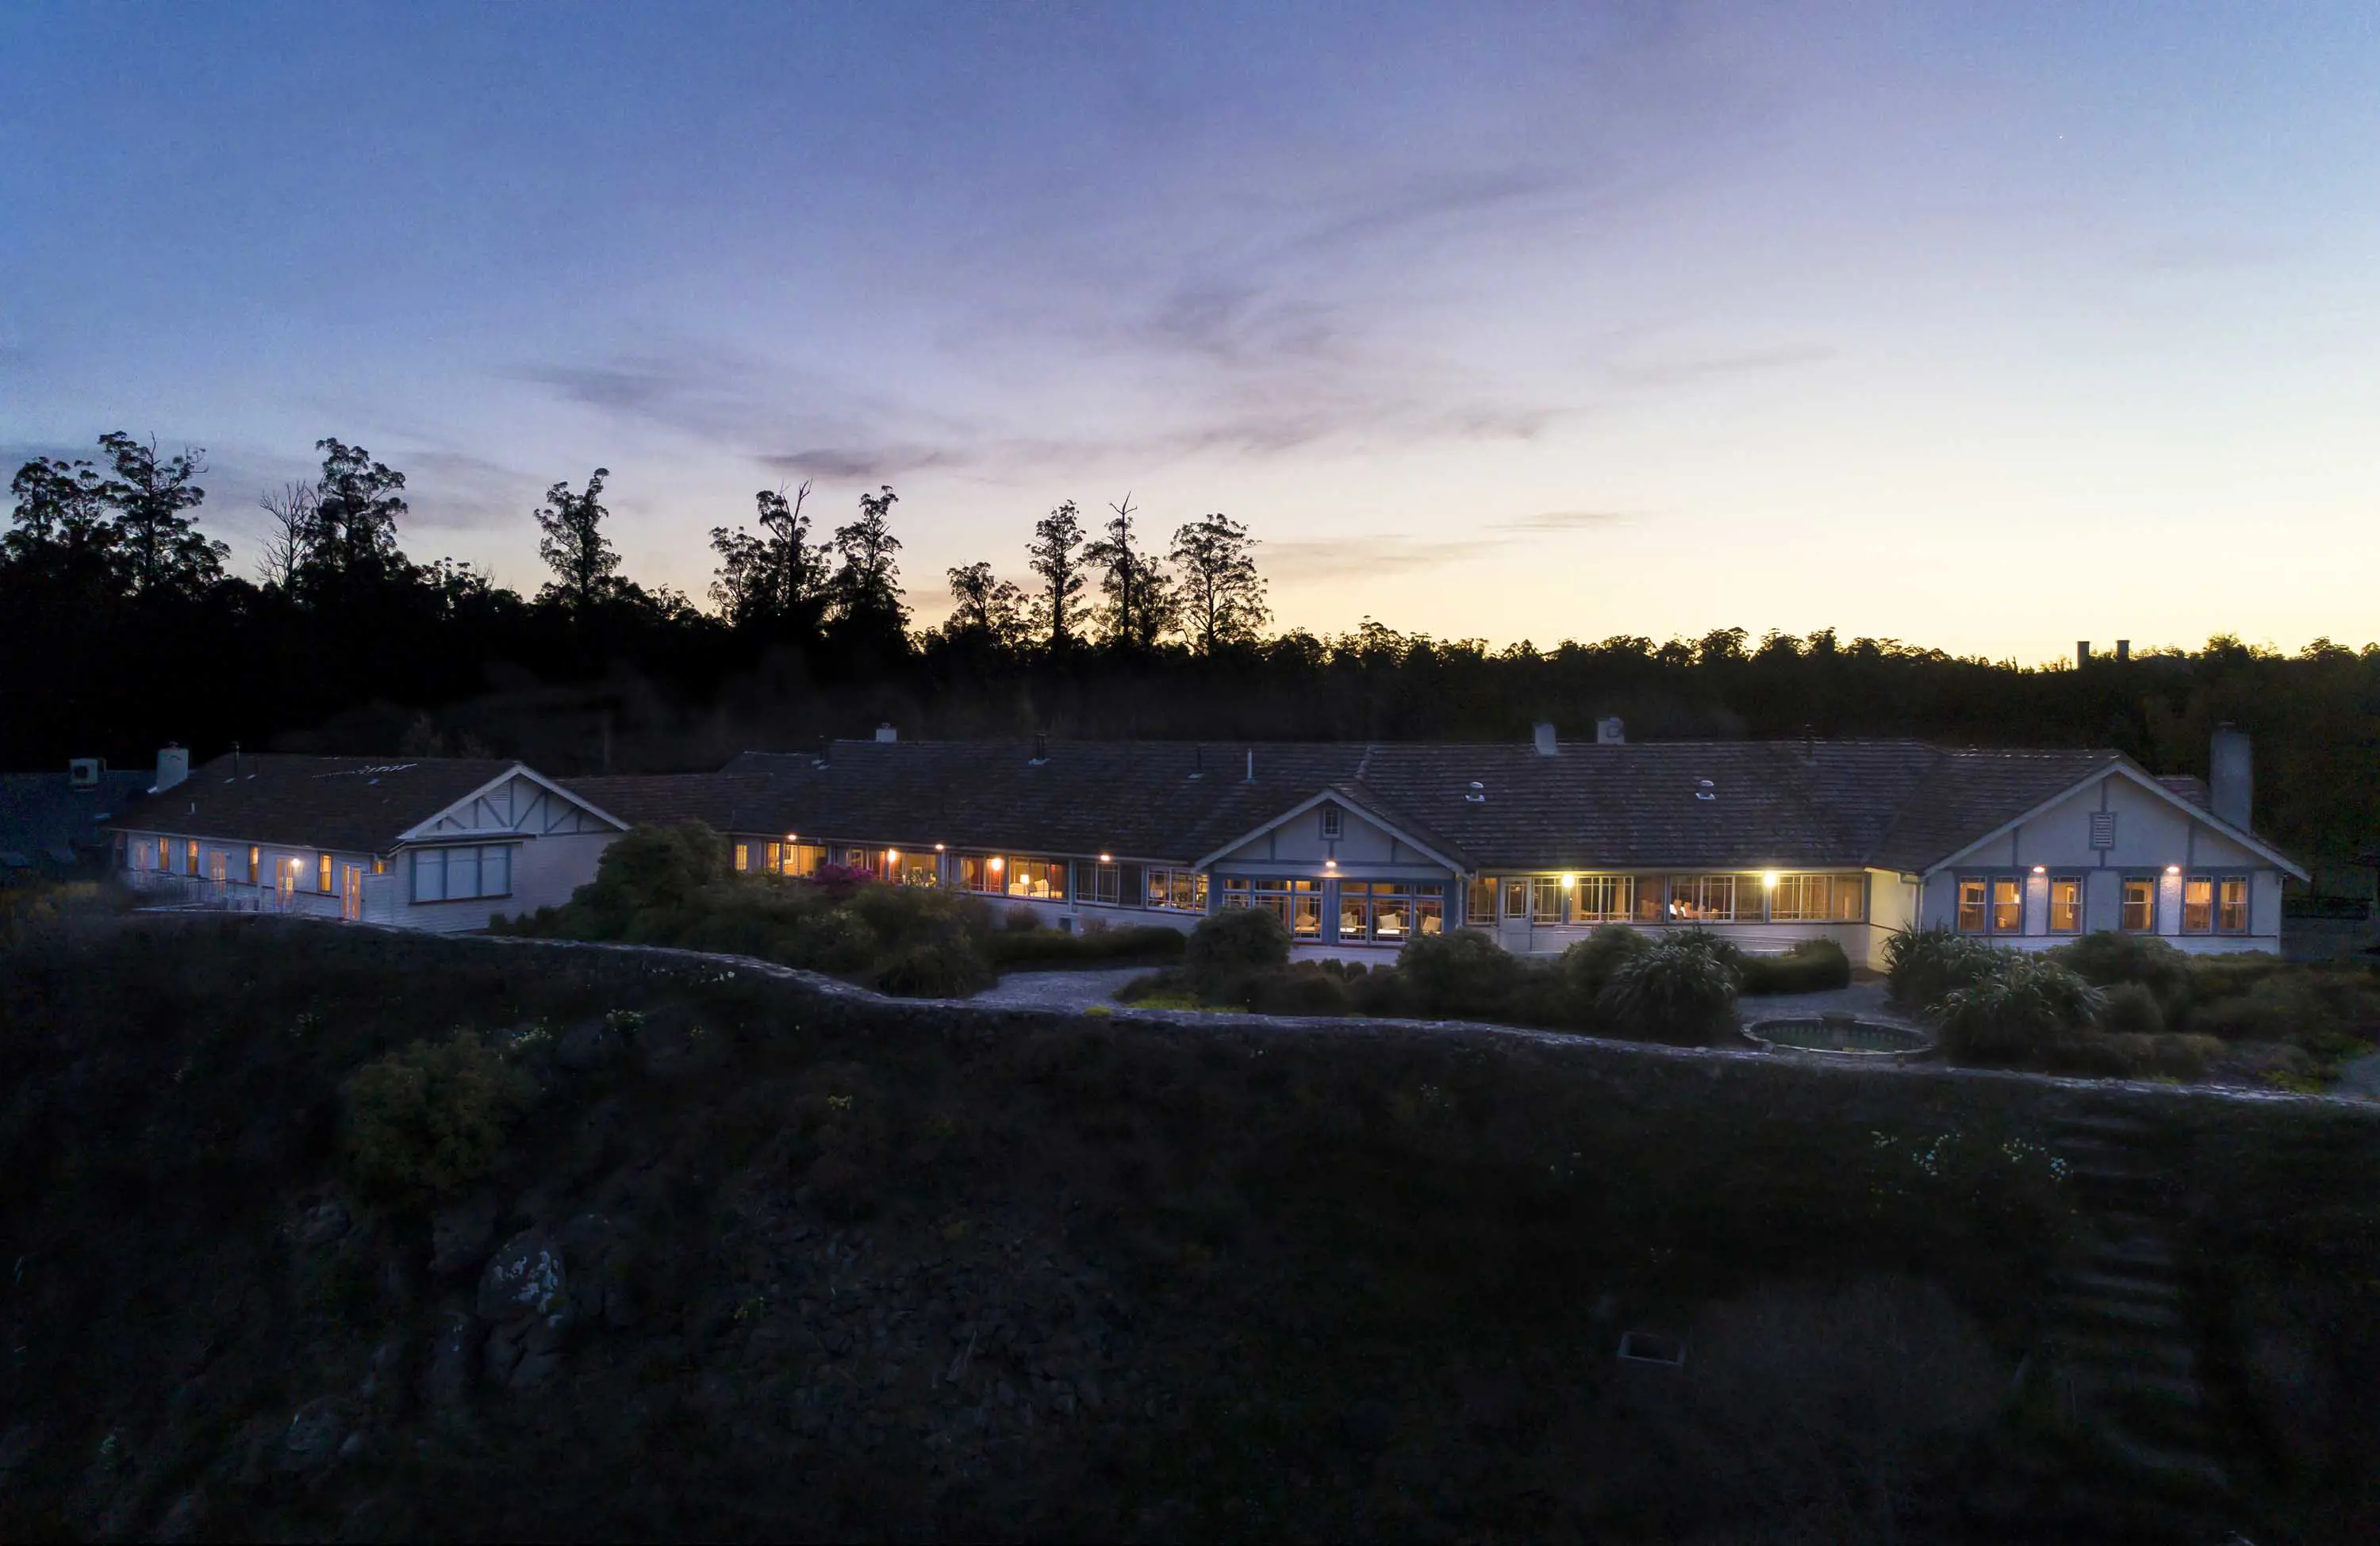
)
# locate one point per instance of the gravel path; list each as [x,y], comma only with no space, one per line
[1058,990]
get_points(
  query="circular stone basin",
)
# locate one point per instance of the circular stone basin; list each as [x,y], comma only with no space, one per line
[1840,1033]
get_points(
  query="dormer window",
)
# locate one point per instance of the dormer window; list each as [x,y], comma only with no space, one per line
[1333,823]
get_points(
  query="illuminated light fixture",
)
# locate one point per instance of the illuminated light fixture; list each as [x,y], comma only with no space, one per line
[996,861]
[2041,869]
[937,848]
[791,836]
[1330,864]
[891,855]
[1768,879]
[2173,869]
[1568,880]
[1106,858]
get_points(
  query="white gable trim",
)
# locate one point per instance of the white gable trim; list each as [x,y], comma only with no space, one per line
[1334,796]
[2196,812]
[425,830]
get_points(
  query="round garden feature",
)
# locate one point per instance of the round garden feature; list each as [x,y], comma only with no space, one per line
[1842,1034]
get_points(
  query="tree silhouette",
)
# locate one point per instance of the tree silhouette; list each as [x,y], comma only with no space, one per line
[773,581]
[990,609]
[353,542]
[1136,606]
[162,548]
[1220,592]
[1055,556]
[867,587]
[585,566]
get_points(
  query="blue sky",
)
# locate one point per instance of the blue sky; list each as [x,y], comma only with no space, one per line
[1988,327]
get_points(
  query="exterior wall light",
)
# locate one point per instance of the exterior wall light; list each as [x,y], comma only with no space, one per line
[891,855]
[1106,858]
[2173,869]
[1568,880]
[1768,879]
[937,848]
[791,836]
[995,863]
[1330,864]
[2041,869]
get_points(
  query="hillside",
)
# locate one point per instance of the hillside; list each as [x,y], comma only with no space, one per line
[633,1245]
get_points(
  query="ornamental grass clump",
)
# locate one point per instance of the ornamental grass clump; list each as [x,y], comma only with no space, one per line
[1925,966]
[1680,988]
[2023,1011]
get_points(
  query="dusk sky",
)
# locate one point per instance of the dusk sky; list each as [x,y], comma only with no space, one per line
[1988,327]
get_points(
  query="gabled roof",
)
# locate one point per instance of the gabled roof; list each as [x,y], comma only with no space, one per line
[1966,795]
[353,805]
[1364,803]
[2124,767]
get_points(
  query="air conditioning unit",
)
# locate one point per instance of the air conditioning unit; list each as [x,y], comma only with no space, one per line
[83,772]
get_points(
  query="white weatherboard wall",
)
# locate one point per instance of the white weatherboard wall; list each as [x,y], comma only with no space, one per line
[555,843]
[2153,834]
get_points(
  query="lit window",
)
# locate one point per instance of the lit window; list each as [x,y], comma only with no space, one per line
[190,855]
[743,858]
[1297,903]
[1971,916]
[1042,879]
[1544,900]
[255,863]
[2066,904]
[2007,905]
[164,855]
[1179,891]
[1390,912]
[1702,899]
[2140,904]
[2231,905]
[323,873]
[1604,898]
[1479,902]
[917,869]
[1818,898]
[2198,905]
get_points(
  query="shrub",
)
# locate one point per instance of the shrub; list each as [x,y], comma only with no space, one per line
[2329,1013]
[2137,1054]
[648,875]
[1306,988]
[2131,1010]
[1925,966]
[835,940]
[428,1121]
[1811,966]
[1385,993]
[1680,988]
[1020,918]
[2017,1013]
[1092,947]
[1586,966]
[945,968]
[1234,943]
[1463,973]
[2109,960]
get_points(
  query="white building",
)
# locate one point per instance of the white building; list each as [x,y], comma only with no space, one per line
[437,843]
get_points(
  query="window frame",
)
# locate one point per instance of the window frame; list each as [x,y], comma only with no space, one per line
[2156,884]
[483,856]
[2082,905]
[1170,882]
[1830,888]
[1703,883]
[255,861]
[2247,884]
[1334,824]
[322,874]
[1608,886]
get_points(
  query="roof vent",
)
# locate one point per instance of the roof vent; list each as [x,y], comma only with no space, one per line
[886,732]
[1477,793]
[83,772]
[1547,743]
[1610,730]
[1706,789]
[1041,751]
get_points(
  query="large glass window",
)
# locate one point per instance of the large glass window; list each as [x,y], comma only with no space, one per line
[1702,899]
[2198,904]
[1042,879]
[2066,904]
[2140,904]
[915,869]
[2231,905]
[1818,898]
[1605,898]
[460,873]
[1297,903]
[982,872]
[743,857]
[1390,912]
[1181,890]
[1099,882]
[2007,905]
[1546,899]
[1652,899]
[1479,902]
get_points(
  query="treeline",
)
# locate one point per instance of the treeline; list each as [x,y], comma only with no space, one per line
[121,628]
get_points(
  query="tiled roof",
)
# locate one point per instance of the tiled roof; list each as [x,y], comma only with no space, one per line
[2191,787]
[350,804]
[1901,804]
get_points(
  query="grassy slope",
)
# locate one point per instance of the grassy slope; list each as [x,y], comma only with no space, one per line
[862,1270]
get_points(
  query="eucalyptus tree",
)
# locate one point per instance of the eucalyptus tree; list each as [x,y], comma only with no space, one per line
[1136,601]
[352,539]
[1220,591]
[161,547]
[1055,556]
[586,566]
[865,589]
[773,580]
[989,608]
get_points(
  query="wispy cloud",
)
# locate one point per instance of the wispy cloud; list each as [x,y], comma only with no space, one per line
[1687,370]
[1563,520]
[1351,558]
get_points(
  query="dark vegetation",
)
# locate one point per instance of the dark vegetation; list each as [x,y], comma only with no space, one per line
[330,1232]
[2127,1005]
[342,643]
[1678,987]
[673,885]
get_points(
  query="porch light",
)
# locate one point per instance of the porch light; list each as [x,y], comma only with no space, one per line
[2041,869]
[996,863]
[1330,864]
[1106,858]
[2173,869]
[1568,880]
[1768,879]
[891,855]
[937,848]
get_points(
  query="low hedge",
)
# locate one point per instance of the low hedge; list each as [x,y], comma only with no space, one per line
[1811,966]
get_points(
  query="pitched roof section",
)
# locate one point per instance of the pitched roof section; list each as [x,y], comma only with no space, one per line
[1970,794]
[43,818]
[353,805]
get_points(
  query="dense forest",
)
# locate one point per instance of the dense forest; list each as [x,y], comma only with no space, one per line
[122,628]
